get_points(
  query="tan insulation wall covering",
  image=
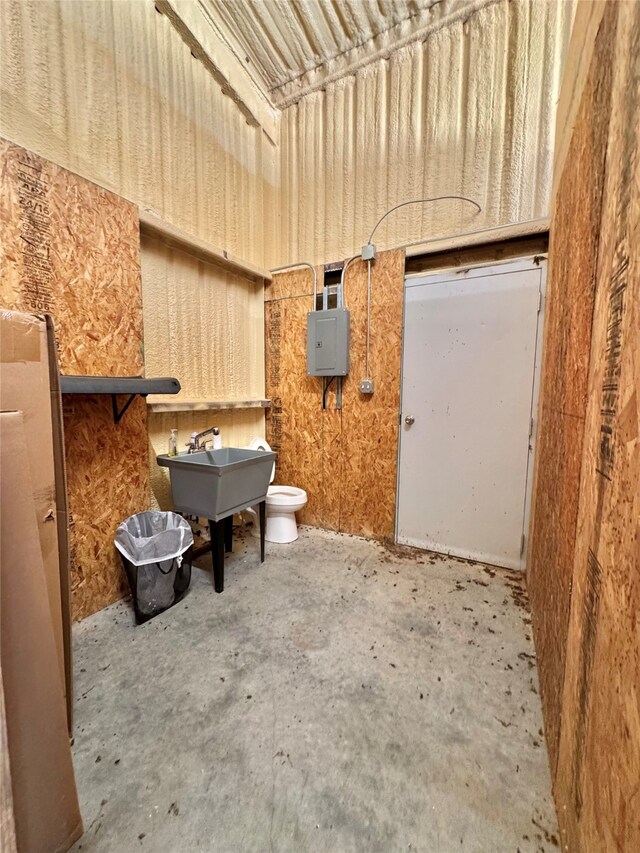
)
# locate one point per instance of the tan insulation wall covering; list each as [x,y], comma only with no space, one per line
[469,110]
[109,90]
[213,336]
[204,325]
[70,248]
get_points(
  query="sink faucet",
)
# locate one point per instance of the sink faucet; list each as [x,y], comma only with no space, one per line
[199,440]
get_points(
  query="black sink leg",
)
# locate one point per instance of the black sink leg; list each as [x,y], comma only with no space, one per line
[228,534]
[217,533]
[263,524]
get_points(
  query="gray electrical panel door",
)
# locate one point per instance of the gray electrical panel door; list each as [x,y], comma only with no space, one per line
[328,342]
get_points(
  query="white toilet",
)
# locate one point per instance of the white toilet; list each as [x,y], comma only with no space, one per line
[282,504]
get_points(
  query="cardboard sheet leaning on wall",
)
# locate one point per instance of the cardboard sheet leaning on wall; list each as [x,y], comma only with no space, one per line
[28,383]
[45,801]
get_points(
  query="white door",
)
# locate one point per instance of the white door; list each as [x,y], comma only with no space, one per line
[466,436]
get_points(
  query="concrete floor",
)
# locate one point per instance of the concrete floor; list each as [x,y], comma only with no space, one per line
[342,697]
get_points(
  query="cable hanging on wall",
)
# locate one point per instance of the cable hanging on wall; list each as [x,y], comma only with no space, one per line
[368,254]
[328,328]
[422,201]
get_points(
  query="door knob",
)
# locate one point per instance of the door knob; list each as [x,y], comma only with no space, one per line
[409,420]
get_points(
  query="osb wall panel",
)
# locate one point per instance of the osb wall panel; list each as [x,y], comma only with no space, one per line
[586,23]
[563,398]
[71,248]
[107,480]
[345,459]
[297,282]
[294,424]
[469,109]
[370,422]
[598,775]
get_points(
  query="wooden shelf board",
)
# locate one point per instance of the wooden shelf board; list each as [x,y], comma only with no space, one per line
[154,226]
[163,405]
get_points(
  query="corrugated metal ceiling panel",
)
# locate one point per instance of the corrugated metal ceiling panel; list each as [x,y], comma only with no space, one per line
[285,39]
[469,111]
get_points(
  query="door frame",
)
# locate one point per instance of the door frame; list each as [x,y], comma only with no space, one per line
[478,270]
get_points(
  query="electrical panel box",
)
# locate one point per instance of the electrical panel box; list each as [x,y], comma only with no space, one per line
[328,342]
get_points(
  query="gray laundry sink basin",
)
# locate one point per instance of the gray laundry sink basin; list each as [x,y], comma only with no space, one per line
[216,483]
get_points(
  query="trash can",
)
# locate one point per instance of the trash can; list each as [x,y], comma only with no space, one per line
[156,550]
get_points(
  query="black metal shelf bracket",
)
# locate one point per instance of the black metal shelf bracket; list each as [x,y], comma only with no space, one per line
[119,413]
[132,386]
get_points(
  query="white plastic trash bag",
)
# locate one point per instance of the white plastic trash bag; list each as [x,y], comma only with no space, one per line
[150,537]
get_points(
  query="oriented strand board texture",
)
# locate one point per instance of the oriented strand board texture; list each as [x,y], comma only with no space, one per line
[584,579]
[468,110]
[571,288]
[297,428]
[586,24]
[598,775]
[108,480]
[346,460]
[71,248]
[370,422]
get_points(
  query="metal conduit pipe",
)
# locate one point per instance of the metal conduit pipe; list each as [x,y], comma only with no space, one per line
[342,293]
[342,278]
[302,264]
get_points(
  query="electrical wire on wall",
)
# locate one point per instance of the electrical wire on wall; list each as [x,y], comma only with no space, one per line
[368,254]
[343,277]
[326,384]
[422,201]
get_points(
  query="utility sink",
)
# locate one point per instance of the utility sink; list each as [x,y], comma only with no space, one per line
[216,483]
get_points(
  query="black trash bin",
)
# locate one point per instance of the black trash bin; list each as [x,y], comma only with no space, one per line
[156,550]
